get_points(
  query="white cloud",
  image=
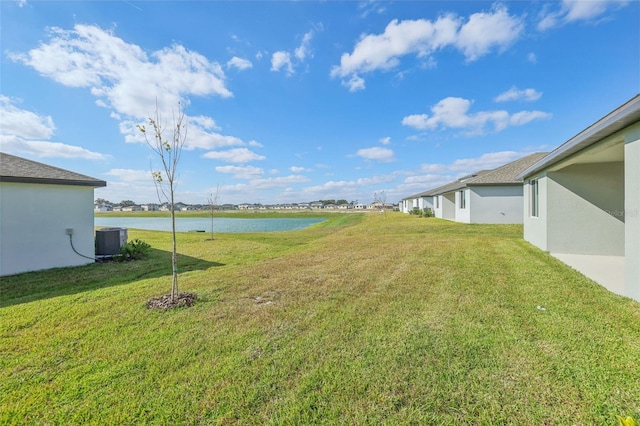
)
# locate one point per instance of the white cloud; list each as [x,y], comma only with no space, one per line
[482,33]
[385,140]
[239,63]
[354,83]
[248,172]
[238,155]
[22,123]
[485,31]
[303,50]
[417,121]
[531,57]
[376,153]
[454,113]
[131,82]
[266,183]
[515,94]
[15,145]
[280,60]
[371,6]
[296,169]
[485,161]
[122,75]
[577,10]
[283,60]
[524,117]
[26,132]
[465,166]
[131,175]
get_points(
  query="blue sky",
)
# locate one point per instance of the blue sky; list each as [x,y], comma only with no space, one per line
[300,101]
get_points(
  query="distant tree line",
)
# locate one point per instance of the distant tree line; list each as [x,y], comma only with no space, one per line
[128,203]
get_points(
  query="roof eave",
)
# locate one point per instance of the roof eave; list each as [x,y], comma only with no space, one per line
[17,179]
[621,117]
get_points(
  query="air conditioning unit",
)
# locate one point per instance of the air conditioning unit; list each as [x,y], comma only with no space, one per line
[110,240]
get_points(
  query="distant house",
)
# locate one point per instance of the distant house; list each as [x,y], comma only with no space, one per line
[488,196]
[422,201]
[151,207]
[103,208]
[34,237]
[582,201]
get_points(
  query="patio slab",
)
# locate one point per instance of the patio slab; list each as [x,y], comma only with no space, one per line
[608,271]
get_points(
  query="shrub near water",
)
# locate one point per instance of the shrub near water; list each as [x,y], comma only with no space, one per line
[377,320]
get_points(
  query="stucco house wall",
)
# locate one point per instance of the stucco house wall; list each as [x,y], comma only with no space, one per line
[490,196]
[496,204]
[33,223]
[586,209]
[589,198]
[462,215]
[535,227]
[448,206]
[38,204]
[418,201]
[632,211]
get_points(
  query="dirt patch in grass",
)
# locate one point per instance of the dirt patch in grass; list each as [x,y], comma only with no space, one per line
[165,302]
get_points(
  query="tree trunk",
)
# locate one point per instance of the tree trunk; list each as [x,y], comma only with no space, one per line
[174,253]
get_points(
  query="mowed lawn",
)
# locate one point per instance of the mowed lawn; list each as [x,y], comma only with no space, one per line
[364,319]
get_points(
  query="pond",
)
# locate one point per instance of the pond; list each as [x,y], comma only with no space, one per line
[222,224]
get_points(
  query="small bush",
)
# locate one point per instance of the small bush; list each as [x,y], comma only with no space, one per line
[422,213]
[133,250]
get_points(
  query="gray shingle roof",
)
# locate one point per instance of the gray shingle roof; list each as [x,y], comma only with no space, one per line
[17,169]
[508,174]
[503,175]
[456,184]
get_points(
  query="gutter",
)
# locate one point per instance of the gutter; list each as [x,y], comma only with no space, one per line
[618,119]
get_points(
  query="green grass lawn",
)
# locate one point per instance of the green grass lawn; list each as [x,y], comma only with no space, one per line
[363,319]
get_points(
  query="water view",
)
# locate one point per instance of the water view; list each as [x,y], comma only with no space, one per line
[222,224]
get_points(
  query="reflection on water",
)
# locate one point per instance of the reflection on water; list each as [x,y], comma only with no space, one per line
[221,224]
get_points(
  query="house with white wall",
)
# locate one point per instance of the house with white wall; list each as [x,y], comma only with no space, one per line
[488,196]
[582,201]
[34,237]
[422,201]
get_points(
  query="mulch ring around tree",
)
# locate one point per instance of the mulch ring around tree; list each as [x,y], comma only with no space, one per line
[165,302]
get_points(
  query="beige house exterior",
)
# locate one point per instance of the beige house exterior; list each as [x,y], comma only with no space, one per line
[43,209]
[582,201]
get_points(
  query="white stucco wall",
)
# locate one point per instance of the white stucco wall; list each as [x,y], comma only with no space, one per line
[585,209]
[33,223]
[448,206]
[496,204]
[535,228]
[632,212]
[463,215]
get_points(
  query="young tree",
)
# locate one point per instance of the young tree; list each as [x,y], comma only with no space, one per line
[169,152]
[380,199]
[213,203]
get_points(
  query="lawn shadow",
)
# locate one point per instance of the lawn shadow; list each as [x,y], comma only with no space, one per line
[32,286]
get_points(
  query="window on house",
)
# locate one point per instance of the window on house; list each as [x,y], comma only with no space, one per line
[463,200]
[533,193]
